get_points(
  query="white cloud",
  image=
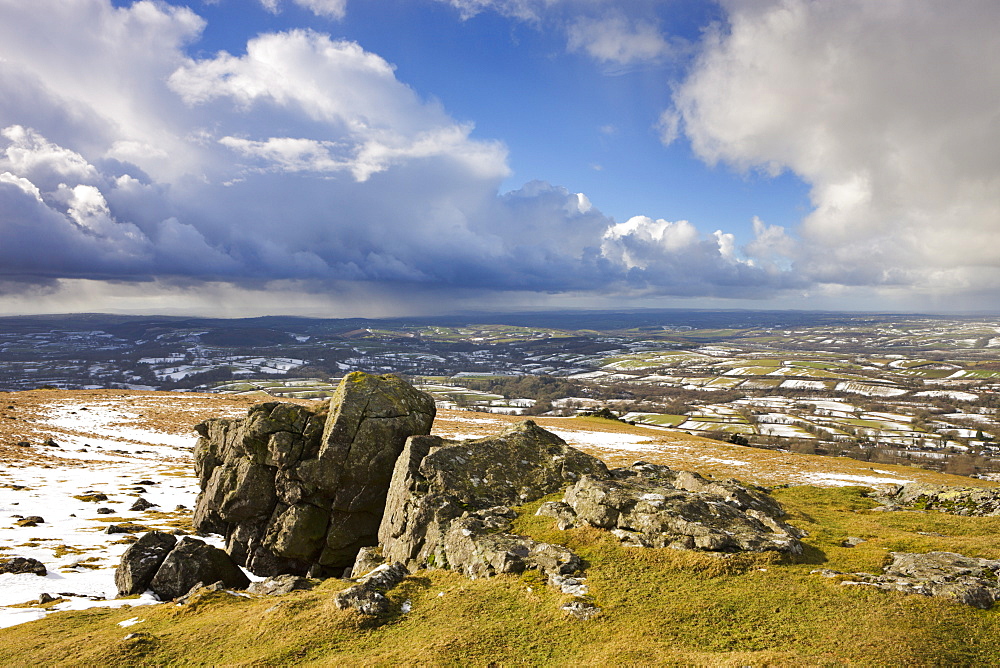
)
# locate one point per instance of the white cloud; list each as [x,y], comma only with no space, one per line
[617,40]
[372,119]
[31,155]
[526,10]
[332,9]
[885,109]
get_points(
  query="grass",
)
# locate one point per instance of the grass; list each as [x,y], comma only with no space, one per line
[659,607]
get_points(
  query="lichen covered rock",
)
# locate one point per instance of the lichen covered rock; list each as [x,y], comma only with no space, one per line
[968,501]
[968,580]
[368,595]
[649,505]
[449,501]
[296,490]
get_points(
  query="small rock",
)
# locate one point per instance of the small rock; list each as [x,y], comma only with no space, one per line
[280,584]
[852,541]
[23,444]
[22,565]
[46,598]
[142,504]
[368,559]
[51,443]
[124,528]
[583,610]
[368,596]
[200,588]
[105,511]
[180,506]
[32,521]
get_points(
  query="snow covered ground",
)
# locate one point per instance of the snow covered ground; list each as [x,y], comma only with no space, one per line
[105,459]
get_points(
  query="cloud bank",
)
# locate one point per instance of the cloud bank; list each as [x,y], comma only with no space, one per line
[129,156]
[888,110]
[303,159]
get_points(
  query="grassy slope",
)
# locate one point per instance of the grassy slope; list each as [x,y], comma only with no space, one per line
[660,606]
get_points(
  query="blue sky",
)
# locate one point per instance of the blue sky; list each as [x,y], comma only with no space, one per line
[393,157]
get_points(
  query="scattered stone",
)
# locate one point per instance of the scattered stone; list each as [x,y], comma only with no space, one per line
[140,562]
[292,488]
[32,521]
[583,610]
[105,511]
[968,580]
[124,528]
[280,584]
[142,504]
[46,598]
[18,565]
[852,541]
[91,497]
[368,559]
[650,505]
[50,443]
[568,585]
[179,507]
[193,561]
[368,595]
[146,482]
[199,588]
[24,444]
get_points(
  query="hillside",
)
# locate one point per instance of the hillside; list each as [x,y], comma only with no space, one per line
[659,605]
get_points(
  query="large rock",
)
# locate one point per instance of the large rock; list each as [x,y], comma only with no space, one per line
[448,504]
[968,580]
[141,561]
[299,491]
[191,562]
[649,505]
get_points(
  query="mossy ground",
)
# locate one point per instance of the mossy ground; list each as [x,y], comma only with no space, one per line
[660,607]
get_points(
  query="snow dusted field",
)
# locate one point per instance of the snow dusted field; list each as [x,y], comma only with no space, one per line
[109,451]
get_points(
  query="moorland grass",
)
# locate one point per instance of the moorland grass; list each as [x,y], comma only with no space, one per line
[660,607]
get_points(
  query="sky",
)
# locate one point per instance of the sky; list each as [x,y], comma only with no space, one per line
[339,158]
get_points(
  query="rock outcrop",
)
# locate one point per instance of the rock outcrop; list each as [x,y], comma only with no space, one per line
[449,501]
[969,501]
[968,580]
[300,491]
[650,505]
[140,562]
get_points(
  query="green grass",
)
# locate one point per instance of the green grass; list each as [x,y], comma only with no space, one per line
[660,607]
